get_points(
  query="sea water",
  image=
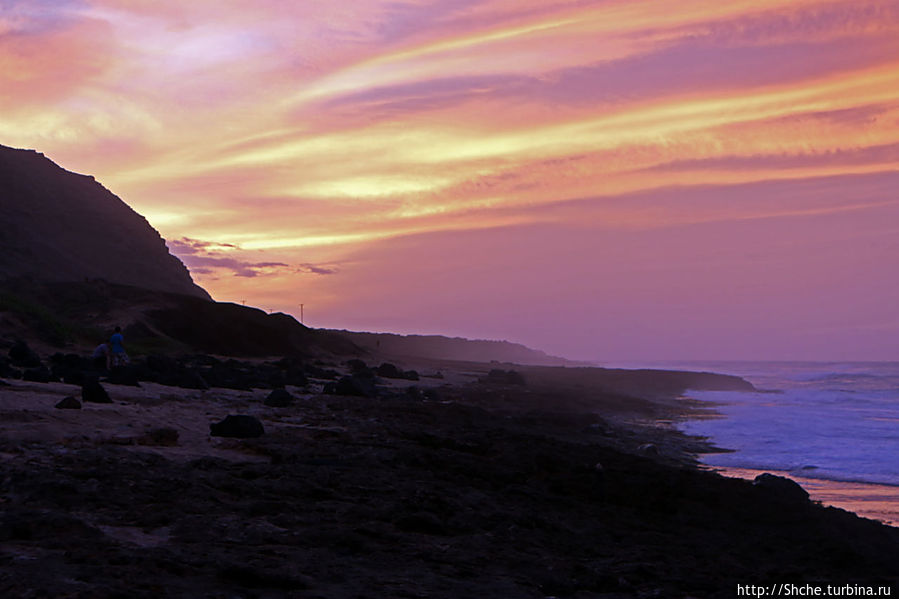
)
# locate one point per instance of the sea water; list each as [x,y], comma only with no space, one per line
[834,427]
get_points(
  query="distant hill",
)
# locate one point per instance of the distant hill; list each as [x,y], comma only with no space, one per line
[78,315]
[56,225]
[452,348]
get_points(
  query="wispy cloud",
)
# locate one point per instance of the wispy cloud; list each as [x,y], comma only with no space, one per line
[212,260]
[308,134]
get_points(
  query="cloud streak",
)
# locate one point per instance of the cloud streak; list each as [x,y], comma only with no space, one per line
[217,260]
[310,134]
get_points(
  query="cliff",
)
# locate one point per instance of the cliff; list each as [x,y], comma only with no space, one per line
[58,226]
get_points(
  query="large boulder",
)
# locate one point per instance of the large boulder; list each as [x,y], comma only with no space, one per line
[23,356]
[92,391]
[278,398]
[781,487]
[239,426]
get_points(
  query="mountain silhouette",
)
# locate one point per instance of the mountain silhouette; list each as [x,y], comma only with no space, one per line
[59,226]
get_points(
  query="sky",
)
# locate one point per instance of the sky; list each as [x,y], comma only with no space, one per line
[602,180]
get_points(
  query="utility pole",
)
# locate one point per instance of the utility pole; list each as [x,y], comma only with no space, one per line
[301,313]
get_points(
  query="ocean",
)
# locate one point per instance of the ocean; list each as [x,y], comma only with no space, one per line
[832,427]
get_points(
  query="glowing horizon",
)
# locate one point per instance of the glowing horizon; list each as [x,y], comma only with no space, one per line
[597,180]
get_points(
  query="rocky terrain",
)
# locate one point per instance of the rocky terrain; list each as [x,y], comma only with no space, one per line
[366,480]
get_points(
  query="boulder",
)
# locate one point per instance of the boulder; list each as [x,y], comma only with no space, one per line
[23,356]
[278,398]
[41,374]
[7,371]
[124,375]
[69,403]
[353,386]
[503,377]
[93,391]
[239,426]
[781,487]
[389,371]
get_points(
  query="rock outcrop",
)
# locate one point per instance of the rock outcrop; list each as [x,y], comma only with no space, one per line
[56,225]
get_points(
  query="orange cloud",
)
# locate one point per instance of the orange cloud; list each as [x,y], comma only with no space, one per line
[298,136]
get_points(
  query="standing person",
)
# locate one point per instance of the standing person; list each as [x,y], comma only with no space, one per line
[117,354]
[100,356]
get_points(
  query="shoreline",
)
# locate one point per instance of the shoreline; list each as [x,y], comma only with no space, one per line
[474,485]
[868,500]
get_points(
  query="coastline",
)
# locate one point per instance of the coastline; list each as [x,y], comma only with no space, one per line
[868,500]
[477,484]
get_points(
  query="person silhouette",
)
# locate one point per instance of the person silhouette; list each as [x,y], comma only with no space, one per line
[100,357]
[117,355]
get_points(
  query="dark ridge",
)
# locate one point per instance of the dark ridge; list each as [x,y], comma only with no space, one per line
[62,226]
[438,347]
[81,314]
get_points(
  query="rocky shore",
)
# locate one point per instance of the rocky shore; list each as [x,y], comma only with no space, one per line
[429,480]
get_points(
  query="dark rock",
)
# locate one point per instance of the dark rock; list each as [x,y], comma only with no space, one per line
[8,371]
[72,377]
[353,386]
[23,356]
[503,377]
[279,398]
[421,522]
[356,365]
[164,436]
[69,403]
[292,371]
[239,426]
[389,371]
[69,367]
[124,375]
[93,391]
[262,577]
[191,379]
[649,450]
[781,487]
[322,373]
[38,375]
[162,364]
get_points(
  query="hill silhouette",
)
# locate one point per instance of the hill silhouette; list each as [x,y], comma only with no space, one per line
[62,226]
[75,260]
[439,347]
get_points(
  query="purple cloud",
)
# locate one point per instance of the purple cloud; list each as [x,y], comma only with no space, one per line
[210,258]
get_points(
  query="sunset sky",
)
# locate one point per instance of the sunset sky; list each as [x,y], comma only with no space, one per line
[614,180]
